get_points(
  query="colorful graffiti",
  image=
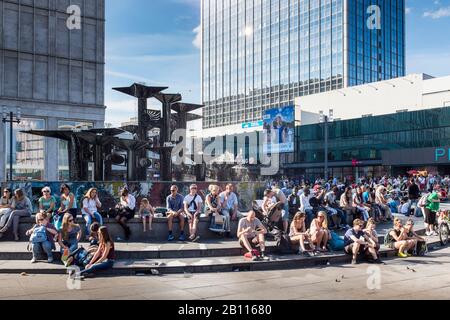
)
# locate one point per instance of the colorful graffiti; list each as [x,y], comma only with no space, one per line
[109,192]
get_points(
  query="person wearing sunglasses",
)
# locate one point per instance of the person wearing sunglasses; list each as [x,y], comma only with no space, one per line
[175,209]
[5,206]
[47,203]
[397,239]
[91,205]
[360,244]
[420,242]
[68,203]
[193,205]
[21,208]
[320,234]
[69,236]
[46,244]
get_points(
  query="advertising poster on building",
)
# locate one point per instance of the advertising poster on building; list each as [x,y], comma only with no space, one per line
[279,124]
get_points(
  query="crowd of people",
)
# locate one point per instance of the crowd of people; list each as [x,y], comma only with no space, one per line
[310,212]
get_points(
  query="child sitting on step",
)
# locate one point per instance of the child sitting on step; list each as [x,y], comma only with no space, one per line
[146,212]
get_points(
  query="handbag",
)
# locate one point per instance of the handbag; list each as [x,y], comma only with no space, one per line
[219,219]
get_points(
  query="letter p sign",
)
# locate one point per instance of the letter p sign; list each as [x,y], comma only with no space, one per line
[74,20]
[440,152]
[374,21]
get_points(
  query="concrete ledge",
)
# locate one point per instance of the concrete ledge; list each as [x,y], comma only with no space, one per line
[207,265]
[159,233]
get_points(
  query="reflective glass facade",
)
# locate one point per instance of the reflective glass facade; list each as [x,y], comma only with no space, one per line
[28,151]
[375,54]
[261,54]
[364,139]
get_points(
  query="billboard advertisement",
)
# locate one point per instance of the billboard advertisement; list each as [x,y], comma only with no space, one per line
[279,124]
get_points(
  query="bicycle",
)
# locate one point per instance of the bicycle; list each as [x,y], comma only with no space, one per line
[444,227]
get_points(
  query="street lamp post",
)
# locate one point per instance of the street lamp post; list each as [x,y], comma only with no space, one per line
[9,118]
[326,119]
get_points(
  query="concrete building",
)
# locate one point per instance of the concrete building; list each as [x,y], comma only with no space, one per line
[54,72]
[259,55]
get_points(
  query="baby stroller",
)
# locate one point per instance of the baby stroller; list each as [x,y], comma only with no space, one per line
[272,220]
[274,225]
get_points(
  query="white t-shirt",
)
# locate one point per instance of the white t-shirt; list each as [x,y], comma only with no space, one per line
[188,200]
[304,202]
[90,204]
[130,203]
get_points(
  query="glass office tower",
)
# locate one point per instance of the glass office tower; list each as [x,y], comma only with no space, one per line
[261,54]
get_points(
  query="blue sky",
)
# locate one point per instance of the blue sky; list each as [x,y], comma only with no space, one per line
[155,42]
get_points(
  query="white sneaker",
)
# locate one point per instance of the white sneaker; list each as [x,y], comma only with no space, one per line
[428,233]
[33,260]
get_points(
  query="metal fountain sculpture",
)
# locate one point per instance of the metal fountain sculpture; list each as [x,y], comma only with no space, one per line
[97,145]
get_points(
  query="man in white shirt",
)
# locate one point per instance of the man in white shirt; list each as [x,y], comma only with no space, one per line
[229,202]
[305,206]
[193,205]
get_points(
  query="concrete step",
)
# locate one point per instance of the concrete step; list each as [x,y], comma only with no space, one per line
[188,266]
[159,232]
[146,250]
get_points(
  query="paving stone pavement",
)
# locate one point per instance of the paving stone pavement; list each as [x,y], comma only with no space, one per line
[414,278]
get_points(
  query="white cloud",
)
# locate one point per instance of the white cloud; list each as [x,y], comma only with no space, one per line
[408,10]
[437,14]
[198,37]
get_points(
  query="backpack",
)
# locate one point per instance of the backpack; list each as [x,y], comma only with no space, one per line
[423,202]
[387,238]
[284,245]
[39,235]
[82,257]
[336,242]
[421,249]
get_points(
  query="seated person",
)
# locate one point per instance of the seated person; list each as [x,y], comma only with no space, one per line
[105,256]
[175,209]
[299,235]
[5,206]
[420,242]
[193,205]
[358,243]
[68,238]
[269,201]
[126,211]
[230,202]
[146,212]
[47,203]
[251,232]
[371,232]
[398,239]
[404,207]
[47,243]
[93,237]
[320,234]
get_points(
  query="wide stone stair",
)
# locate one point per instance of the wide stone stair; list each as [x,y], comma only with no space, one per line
[145,256]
